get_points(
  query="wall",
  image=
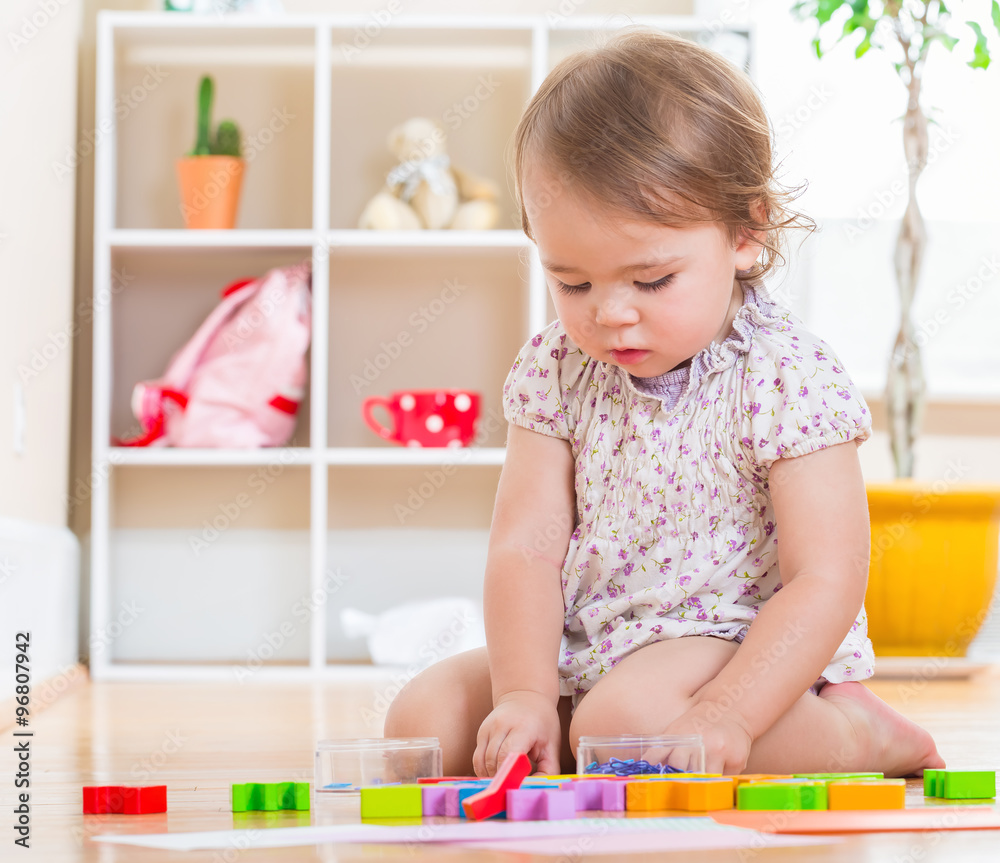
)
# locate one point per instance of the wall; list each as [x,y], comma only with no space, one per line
[38,103]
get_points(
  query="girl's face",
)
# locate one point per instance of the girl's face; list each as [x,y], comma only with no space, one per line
[643,296]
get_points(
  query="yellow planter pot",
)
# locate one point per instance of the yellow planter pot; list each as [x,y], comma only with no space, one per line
[933,566]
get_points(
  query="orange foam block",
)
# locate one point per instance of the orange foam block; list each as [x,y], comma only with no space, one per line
[703,795]
[867,794]
[686,794]
[648,796]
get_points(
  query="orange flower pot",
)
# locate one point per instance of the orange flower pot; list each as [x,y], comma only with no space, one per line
[210,190]
[933,566]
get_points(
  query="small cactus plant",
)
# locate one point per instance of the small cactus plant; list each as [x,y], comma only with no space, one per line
[226,140]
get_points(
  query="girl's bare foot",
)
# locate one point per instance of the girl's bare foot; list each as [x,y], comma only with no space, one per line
[889,741]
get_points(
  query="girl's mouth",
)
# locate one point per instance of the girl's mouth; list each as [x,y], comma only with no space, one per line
[629,356]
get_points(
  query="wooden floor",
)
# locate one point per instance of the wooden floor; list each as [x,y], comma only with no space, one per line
[199,738]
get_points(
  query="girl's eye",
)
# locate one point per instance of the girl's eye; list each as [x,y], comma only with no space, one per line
[645,286]
[655,286]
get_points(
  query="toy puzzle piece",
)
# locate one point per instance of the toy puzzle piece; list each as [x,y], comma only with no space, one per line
[598,795]
[440,800]
[392,801]
[124,800]
[960,784]
[540,804]
[782,794]
[270,796]
[492,800]
[867,794]
[438,780]
[702,795]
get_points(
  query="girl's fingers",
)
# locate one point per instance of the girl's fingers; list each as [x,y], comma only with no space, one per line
[547,762]
[498,743]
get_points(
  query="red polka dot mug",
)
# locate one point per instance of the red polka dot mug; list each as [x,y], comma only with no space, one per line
[426,417]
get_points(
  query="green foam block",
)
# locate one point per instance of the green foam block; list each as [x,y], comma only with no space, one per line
[781,795]
[968,784]
[270,796]
[392,801]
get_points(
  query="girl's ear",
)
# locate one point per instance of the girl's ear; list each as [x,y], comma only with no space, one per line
[751,243]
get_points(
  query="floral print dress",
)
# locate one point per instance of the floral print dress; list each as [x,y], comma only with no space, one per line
[675,531]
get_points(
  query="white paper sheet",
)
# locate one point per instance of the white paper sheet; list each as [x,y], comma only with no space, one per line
[697,832]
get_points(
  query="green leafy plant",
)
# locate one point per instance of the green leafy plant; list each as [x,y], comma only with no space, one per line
[904,31]
[226,140]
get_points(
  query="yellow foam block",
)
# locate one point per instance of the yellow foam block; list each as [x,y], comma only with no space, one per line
[867,794]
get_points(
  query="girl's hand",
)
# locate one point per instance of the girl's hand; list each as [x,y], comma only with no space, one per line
[522,721]
[726,737]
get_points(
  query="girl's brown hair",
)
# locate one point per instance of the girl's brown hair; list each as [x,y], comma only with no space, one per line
[659,129]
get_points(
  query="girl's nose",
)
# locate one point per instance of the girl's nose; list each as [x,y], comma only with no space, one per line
[615,309]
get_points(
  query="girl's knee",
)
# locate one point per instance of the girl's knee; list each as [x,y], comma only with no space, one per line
[607,713]
[447,692]
[408,712]
[603,717]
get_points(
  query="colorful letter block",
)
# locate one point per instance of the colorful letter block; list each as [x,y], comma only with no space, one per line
[648,795]
[440,800]
[960,784]
[124,799]
[540,804]
[835,777]
[867,794]
[702,795]
[782,794]
[270,796]
[392,801]
[598,795]
[493,799]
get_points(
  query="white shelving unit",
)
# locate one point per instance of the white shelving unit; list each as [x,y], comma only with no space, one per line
[154,281]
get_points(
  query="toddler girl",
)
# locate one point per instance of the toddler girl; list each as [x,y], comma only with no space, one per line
[680,537]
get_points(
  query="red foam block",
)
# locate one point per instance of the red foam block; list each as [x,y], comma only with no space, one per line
[124,800]
[493,798]
[429,780]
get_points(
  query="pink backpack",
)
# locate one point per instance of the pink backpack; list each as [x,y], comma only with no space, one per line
[239,380]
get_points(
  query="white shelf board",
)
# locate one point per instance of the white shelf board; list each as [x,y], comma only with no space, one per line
[415,455]
[137,19]
[220,55]
[671,23]
[373,456]
[443,239]
[433,57]
[136,672]
[184,456]
[142,238]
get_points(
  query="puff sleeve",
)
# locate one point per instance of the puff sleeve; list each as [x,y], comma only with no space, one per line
[798,398]
[542,390]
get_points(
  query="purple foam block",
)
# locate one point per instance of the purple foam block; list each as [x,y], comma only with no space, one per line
[540,804]
[560,805]
[605,795]
[614,796]
[440,800]
[527,804]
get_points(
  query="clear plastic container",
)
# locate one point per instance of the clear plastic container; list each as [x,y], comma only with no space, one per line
[345,765]
[635,754]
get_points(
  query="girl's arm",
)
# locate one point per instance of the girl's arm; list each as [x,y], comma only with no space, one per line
[533,518]
[821,511]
